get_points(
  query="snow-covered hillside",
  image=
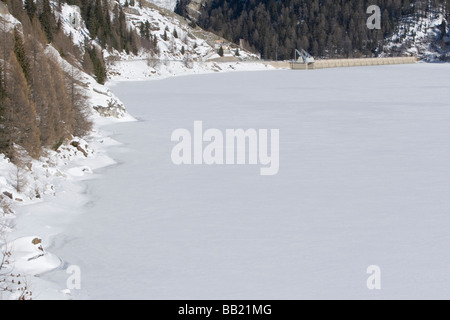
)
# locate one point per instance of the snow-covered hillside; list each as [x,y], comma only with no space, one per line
[186,50]
[423,36]
[166,4]
[40,179]
[181,47]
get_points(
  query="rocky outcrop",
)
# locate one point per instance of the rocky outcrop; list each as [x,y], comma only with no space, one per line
[113,109]
[191,8]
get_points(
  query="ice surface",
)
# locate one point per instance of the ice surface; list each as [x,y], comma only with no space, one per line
[364,180]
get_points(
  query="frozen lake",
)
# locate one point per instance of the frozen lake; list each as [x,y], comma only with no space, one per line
[364,180]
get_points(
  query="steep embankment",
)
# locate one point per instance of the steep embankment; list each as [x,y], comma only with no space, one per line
[27,180]
[425,36]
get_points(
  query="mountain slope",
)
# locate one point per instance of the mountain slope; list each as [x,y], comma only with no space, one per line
[166,4]
[425,36]
[326,29]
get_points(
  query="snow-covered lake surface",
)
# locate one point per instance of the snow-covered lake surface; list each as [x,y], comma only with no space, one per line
[364,180]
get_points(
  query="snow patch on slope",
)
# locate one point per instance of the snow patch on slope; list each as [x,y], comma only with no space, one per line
[140,70]
[190,51]
[420,37]
[104,103]
[166,4]
[73,24]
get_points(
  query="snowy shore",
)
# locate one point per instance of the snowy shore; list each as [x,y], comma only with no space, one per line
[363,178]
[61,178]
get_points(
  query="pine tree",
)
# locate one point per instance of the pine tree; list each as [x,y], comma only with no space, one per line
[98,66]
[22,124]
[142,29]
[82,125]
[4,141]
[154,44]
[48,98]
[31,9]
[2,85]
[19,51]
[220,52]
[63,109]
[443,30]
[87,64]
[47,20]
[147,29]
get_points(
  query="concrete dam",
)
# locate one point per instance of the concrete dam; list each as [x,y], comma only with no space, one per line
[339,63]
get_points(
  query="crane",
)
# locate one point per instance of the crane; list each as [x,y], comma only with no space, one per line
[303,56]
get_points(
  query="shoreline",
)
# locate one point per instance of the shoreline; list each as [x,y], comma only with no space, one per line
[37,217]
[76,188]
[49,218]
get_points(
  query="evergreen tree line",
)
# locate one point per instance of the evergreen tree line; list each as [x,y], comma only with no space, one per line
[41,104]
[40,12]
[325,28]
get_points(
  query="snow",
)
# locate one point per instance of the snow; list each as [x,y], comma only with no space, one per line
[166,4]
[58,176]
[363,181]
[199,46]
[73,24]
[99,96]
[9,22]
[29,258]
[51,184]
[140,70]
[54,173]
[419,36]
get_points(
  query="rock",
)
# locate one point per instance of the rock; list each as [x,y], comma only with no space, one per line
[9,195]
[77,145]
[113,109]
[131,10]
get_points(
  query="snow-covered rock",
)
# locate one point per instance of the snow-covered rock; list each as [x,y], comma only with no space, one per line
[72,23]
[166,4]
[9,21]
[29,257]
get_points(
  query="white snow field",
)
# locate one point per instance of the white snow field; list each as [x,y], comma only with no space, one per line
[364,180]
